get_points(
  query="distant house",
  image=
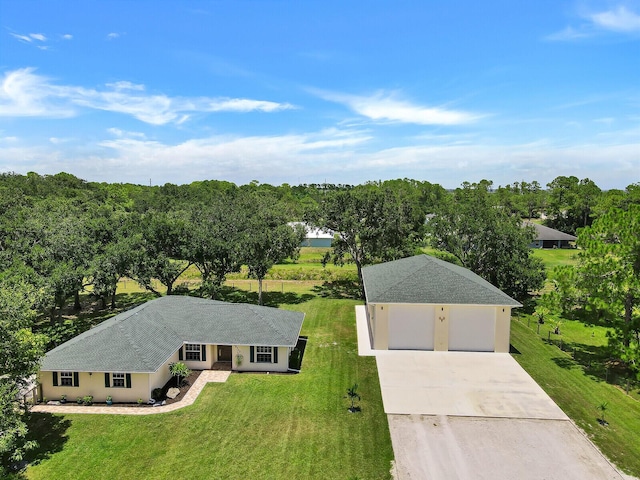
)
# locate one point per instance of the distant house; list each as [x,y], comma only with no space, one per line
[315,237]
[128,356]
[547,237]
[423,303]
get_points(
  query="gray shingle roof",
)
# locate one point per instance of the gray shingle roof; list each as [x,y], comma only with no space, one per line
[426,279]
[547,233]
[142,339]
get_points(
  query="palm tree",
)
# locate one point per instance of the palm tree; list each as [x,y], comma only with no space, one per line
[353,395]
[603,408]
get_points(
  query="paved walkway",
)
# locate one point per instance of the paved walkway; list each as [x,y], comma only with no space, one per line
[215,376]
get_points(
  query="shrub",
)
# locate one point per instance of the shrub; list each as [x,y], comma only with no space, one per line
[156,394]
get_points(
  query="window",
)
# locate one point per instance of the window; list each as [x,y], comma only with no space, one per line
[118,380]
[192,351]
[264,354]
[66,379]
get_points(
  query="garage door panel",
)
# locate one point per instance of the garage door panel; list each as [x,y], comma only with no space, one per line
[472,329]
[411,327]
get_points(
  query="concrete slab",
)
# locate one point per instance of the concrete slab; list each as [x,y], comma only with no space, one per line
[469,384]
[442,447]
[362,329]
[455,415]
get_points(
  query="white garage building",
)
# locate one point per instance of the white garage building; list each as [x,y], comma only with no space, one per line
[423,303]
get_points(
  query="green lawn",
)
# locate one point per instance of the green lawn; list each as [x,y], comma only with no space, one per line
[253,426]
[556,256]
[578,391]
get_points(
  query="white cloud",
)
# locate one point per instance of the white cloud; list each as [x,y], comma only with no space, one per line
[30,37]
[619,20]
[22,38]
[67,36]
[247,105]
[25,93]
[605,120]
[386,107]
[123,85]
[112,36]
[334,155]
[568,33]
[59,141]
[116,132]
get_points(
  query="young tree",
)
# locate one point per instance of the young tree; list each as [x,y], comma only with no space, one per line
[353,395]
[179,371]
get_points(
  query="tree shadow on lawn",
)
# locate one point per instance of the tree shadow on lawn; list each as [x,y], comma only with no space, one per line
[339,289]
[49,431]
[270,299]
[596,363]
[581,355]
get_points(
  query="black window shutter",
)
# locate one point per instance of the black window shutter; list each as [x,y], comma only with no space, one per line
[107,380]
[180,356]
[251,354]
[76,379]
[275,354]
[127,379]
[203,349]
[55,379]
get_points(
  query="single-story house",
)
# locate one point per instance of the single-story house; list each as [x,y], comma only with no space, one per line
[424,303]
[129,355]
[315,237]
[547,237]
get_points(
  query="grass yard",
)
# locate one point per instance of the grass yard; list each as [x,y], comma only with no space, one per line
[254,426]
[578,392]
[554,257]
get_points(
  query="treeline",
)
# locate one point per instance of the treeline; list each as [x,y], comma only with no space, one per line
[62,234]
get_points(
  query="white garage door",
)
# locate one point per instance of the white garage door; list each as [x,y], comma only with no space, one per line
[472,329]
[411,327]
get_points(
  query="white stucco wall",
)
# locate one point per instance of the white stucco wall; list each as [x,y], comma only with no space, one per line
[248,366]
[93,384]
[455,327]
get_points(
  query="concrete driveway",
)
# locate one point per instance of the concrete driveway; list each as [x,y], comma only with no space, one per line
[466,415]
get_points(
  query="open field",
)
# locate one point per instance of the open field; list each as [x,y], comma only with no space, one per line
[258,426]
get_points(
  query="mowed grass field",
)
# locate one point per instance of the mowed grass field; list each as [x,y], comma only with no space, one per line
[579,393]
[254,426]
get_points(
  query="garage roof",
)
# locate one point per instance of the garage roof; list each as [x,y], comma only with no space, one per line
[426,279]
[142,339]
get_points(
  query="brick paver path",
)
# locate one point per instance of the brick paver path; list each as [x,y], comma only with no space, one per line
[218,376]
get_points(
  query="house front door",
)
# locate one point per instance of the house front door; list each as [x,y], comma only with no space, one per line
[224,353]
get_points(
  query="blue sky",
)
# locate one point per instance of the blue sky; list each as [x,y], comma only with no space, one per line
[310,91]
